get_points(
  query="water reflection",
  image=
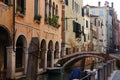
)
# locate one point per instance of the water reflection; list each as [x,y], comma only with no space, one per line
[62,76]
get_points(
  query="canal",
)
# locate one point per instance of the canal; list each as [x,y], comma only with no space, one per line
[61,76]
[53,76]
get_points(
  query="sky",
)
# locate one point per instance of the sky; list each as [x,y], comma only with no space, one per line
[95,3]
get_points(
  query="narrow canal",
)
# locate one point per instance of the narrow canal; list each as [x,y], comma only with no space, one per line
[62,76]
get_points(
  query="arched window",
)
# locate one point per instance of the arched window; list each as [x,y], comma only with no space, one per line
[50,6]
[53,10]
[56,10]
[46,10]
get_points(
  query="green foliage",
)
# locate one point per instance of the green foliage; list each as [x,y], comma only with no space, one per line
[18,8]
[53,21]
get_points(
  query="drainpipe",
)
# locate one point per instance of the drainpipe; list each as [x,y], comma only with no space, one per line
[14,25]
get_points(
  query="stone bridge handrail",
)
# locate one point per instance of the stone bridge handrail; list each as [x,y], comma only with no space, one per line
[104,71]
[86,77]
[63,60]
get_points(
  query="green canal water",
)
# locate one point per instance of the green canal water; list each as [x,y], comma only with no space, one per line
[62,76]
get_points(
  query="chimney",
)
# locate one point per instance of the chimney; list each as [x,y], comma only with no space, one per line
[106,3]
[112,5]
[99,4]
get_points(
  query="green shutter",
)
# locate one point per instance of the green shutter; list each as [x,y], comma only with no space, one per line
[24,6]
[74,26]
[35,7]
[82,12]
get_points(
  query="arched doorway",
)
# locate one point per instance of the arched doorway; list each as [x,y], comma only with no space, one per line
[56,52]
[41,60]
[49,54]
[21,44]
[5,41]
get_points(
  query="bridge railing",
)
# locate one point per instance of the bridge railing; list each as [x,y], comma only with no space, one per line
[87,77]
[104,71]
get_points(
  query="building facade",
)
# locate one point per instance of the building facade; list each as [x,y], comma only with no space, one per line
[32,35]
[94,30]
[73,26]
[104,13]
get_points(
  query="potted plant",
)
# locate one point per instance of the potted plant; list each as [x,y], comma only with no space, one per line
[18,9]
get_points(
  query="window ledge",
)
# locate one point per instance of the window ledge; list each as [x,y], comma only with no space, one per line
[20,14]
[37,21]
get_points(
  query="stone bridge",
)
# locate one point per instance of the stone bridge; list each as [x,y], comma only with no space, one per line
[78,56]
[102,72]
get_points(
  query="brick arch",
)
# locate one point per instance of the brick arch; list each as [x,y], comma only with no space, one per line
[56,52]
[5,41]
[21,49]
[41,60]
[49,53]
[4,31]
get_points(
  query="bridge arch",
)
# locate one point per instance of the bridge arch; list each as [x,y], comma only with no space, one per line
[77,56]
[75,59]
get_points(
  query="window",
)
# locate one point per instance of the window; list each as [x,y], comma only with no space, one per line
[53,9]
[84,37]
[21,6]
[101,13]
[66,2]
[7,2]
[76,27]
[35,8]
[37,16]
[86,24]
[73,4]
[50,6]
[82,12]
[93,12]
[77,8]
[56,10]
[46,10]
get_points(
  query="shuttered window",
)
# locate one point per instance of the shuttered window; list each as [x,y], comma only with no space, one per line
[66,2]
[82,12]
[35,7]
[86,24]
[76,26]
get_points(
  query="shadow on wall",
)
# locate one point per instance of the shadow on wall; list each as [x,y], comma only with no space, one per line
[32,66]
